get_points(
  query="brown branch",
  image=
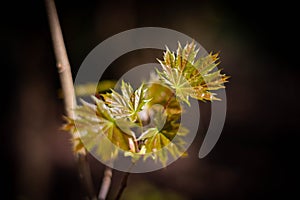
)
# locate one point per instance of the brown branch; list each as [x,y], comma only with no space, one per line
[85,176]
[105,184]
[123,185]
[65,75]
[62,61]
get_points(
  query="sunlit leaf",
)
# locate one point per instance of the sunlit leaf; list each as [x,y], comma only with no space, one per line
[99,131]
[148,133]
[159,139]
[127,104]
[189,77]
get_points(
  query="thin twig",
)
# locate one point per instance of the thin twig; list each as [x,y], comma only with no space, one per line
[123,185]
[85,176]
[64,69]
[105,184]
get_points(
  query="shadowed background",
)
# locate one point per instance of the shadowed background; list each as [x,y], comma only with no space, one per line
[254,156]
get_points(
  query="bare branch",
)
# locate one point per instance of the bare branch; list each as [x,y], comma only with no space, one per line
[65,75]
[123,185]
[105,184]
[62,61]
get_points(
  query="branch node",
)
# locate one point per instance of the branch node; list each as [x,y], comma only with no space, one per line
[61,68]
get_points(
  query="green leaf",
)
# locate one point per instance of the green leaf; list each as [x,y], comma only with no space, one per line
[189,77]
[129,103]
[148,133]
[178,83]
[100,131]
[161,95]
[159,138]
[156,148]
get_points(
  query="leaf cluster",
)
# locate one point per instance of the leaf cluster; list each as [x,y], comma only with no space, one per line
[145,122]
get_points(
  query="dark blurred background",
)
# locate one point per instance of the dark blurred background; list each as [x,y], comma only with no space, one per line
[256,154]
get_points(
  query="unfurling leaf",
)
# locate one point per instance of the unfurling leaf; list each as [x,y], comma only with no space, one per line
[129,103]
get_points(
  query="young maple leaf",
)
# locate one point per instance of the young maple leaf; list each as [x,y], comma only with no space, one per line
[99,130]
[189,77]
[159,139]
[129,103]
